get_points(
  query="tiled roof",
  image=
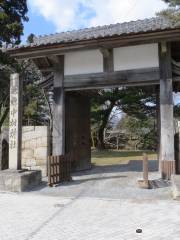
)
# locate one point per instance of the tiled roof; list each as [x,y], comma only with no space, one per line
[119,29]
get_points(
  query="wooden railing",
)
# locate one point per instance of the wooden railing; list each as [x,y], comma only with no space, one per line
[59,169]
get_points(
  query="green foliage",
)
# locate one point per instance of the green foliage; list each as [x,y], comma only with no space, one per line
[172,12]
[138,103]
[4,96]
[102,106]
[172,3]
[177,111]
[141,132]
[12,15]
[35,108]
[30,38]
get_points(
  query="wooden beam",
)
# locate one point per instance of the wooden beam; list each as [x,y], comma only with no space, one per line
[118,78]
[158,123]
[166,112]
[59,109]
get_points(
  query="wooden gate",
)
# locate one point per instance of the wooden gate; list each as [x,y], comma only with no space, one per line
[59,169]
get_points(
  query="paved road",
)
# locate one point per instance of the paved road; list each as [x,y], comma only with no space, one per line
[102,204]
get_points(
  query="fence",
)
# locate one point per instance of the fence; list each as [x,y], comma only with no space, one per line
[59,169]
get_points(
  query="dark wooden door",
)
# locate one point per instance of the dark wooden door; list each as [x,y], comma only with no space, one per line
[78,130]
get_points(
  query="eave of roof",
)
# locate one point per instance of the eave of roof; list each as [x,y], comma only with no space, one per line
[97,35]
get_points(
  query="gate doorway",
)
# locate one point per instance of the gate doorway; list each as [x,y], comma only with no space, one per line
[79,141]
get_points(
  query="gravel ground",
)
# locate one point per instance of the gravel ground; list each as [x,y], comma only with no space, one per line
[103,203]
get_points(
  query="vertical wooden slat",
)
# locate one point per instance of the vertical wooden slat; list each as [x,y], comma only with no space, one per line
[49,171]
[59,169]
[53,179]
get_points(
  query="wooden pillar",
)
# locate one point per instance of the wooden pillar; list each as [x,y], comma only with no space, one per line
[59,109]
[166,112]
[15,122]
[108,64]
[158,125]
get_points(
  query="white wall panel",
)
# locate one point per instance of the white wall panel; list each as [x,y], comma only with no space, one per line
[134,57]
[83,62]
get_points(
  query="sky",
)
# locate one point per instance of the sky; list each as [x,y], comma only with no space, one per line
[50,16]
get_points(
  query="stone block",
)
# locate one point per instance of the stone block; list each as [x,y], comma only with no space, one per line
[41,162]
[23,144]
[144,184]
[30,144]
[42,131]
[43,169]
[26,144]
[42,142]
[27,129]
[30,162]
[40,153]
[35,132]
[27,153]
[19,181]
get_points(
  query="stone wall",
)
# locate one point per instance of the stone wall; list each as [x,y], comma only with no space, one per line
[35,147]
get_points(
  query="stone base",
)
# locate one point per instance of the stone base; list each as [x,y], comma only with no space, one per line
[144,184]
[19,181]
[176,187]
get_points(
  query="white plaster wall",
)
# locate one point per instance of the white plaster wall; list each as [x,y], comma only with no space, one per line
[134,57]
[83,62]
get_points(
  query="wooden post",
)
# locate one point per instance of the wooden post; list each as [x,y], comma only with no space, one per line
[59,109]
[108,64]
[15,122]
[166,112]
[145,170]
[158,125]
[145,182]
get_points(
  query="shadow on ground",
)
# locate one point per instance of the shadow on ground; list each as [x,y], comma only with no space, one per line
[117,172]
[131,166]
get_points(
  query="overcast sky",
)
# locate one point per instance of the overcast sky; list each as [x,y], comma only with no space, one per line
[49,16]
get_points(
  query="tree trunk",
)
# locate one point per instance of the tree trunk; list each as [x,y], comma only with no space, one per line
[101,144]
[92,139]
[105,120]
[3,117]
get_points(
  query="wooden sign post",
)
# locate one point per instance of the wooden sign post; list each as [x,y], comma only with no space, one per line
[15,122]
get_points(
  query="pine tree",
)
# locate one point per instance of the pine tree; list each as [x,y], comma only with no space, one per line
[172,12]
[12,15]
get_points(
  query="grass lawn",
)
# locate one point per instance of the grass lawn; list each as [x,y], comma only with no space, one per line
[113,157]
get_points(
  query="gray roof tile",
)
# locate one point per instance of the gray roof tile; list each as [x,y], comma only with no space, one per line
[119,29]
